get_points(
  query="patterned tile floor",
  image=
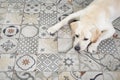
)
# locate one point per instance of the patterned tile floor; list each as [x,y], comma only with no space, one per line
[28,52]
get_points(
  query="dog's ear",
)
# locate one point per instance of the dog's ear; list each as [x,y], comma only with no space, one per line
[95,34]
[73,27]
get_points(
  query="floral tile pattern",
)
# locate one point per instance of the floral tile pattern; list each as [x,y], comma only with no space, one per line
[28,52]
[25,62]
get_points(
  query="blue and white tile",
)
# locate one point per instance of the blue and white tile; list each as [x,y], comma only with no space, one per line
[30,19]
[111,75]
[32,7]
[27,46]
[47,46]
[8,45]
[43,32]
[69,62]
[10,31]
[29,31]
[6,75]
[26,62]
[47,75]
[7,62]
[48,62]
[24,76]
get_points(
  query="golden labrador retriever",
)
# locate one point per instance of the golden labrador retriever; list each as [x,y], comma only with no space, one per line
[94,24]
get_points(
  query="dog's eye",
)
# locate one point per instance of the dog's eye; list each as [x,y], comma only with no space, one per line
[85,39]
[77,36]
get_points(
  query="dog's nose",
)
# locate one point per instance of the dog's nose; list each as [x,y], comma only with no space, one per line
[77,48]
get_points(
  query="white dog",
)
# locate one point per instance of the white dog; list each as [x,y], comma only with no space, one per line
[94,24]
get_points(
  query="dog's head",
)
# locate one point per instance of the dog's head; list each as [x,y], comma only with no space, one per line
[84,34]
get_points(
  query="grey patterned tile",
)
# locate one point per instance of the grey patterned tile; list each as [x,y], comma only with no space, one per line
[111,75]
[26,62]
[65,32]
[7,62]
[30,19]
[15,1]
[107,46]
[116,22]
[47,46]
[110,62]
[6,75]
[13,18]
[8,45]
[4,5]
[15,7]
[43,32]
[69,62]
[24,76]
[48,62]
[89,62]
[46,76]
[29,31]
[3,12]
[64,45]
[48,18]
[48,7]
[10,31]
[64,8]
[27,46]
[81,75]
[32,7]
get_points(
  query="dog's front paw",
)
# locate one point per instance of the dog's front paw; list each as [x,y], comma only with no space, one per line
[51,31]
[92,48]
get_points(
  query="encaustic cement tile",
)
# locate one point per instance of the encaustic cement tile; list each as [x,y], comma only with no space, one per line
[30,19]
[43,32]
[25,62]
[7,62]
[27,46]
[109,62]
[47,46]
[13,18]
[46,76]
[48,62]
[29,31]
[81,76]
[111,75]
[32,7]
[8,45]
[15,7]
[69,62]
[89,62]
[64,45]
[6,75]
[10,31]
[3,12]
[65,32]
[24,76]
[48,18]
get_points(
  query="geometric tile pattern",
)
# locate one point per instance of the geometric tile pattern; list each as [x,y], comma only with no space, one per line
[27,46]
[28,52]
[48,62]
